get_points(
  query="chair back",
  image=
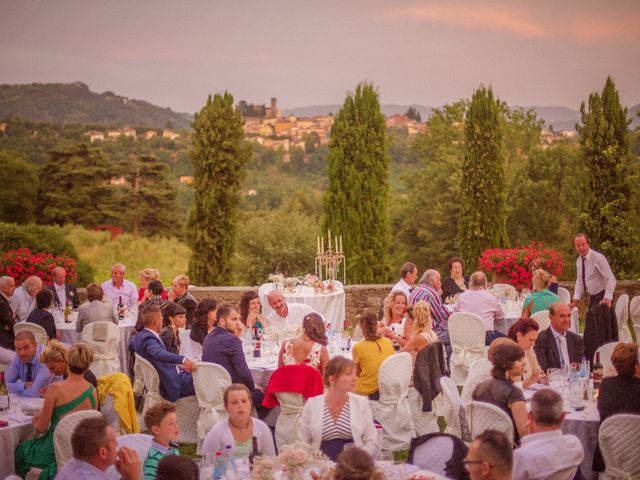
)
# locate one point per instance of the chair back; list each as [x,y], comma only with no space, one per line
[636,328]
[605,354]
[619,439]
[424,422]
[432,452]
[479,371]
[140,443]
[622,316]
[485,416]
[38,332]
[288,422]
[467,334]
[263,291]
[64,430]
[542,317]
[634,310]
[451,400]
[104,340]
[188,347]
[210,381]
[149,376]
[565,296]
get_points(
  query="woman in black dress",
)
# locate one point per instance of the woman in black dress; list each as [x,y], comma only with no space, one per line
[455,283]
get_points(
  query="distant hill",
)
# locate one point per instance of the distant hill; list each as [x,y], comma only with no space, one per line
[75,103]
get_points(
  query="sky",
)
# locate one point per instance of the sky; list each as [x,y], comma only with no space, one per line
[175,53]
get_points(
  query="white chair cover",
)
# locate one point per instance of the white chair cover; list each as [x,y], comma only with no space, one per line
[210,381]
[139,442]
[38,332]
[619,439]
[64,430]
[451,411]
[392,410]
[288,422]
[605,354]
[634,310]
[479,371]
[467,333]
[434,454]
[636,328]
[105,352]
[188,347]
[542,317]
[622,315]
[187,409]
[424,422]
[565,296]
[484,416]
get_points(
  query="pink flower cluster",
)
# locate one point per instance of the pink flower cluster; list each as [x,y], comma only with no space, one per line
[22,263]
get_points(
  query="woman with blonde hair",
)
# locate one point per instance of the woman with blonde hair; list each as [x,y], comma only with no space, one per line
[422,334]
[394,324]
[56,357]
[542,298]
[146,276]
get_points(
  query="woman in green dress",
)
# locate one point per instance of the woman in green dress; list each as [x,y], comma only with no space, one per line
[70,395]
[542,298]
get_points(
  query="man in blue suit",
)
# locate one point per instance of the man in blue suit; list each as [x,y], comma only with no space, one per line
[174,370]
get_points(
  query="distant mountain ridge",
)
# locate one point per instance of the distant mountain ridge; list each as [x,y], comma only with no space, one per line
[75,103]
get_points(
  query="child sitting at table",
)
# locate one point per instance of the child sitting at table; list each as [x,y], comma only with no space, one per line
[162,422]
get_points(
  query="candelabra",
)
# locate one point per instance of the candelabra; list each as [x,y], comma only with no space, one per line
[328,260]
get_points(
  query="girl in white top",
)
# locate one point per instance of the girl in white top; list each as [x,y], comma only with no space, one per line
[395,324]
[309,348]
[239,428]
[422,335]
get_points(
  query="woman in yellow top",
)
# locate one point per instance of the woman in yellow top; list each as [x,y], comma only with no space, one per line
[369,354]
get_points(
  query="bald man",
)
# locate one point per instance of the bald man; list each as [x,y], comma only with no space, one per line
[63,292]
[23,300]
[285,314]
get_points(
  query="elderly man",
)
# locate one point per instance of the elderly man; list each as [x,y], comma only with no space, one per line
[7,317]
[118,288]
[94,309]
[408,275]
[490,457]
[26,375]
[94,447]
[285,314]
[63,292]
[595,277]
[180,294]
[23,300]
[480,302]
[429,290]
[557,346]
[546,452]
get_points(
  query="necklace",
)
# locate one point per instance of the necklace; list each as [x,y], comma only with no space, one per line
[242,429]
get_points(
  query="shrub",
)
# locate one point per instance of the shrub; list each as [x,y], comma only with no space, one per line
[23,263]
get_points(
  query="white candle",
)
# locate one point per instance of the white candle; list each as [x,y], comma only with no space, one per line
[341,244]
[318,238]
[322,244]
[336,240]
[329,238]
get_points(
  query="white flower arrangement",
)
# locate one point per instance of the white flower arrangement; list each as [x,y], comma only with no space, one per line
[279,335]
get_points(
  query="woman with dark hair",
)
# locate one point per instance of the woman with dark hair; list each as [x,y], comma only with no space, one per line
[153,297]
[309,348]
[204,320]
[251,311]
[525,332]
[500,391]
[174,467]
[456,282]
[369,354]
[173,318]
[41,315]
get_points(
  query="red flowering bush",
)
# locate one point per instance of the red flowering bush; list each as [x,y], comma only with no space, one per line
[22,263]
[513,264]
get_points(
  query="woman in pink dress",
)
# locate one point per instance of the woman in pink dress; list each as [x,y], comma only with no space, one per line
[309,348]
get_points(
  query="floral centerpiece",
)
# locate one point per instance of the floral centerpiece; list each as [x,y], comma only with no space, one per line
[22,263]
[298,456]
[279,335]
[264,468]
[313,281]
[513,265]
[277,279]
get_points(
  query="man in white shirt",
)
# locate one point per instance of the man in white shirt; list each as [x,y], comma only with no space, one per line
[285,314]
[482,303]
[408,275]
[546,451]
[119,288]
[594,275]
[23,300]
[63,292]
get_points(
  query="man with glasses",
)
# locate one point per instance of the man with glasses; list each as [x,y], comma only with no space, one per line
[490,457]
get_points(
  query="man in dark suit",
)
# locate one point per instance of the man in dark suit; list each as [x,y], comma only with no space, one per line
[557,346]
[62,291]
[7,317]
[174,370]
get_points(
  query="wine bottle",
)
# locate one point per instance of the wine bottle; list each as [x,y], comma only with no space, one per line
[256,343]
[4,393]
[67,310]
[120,308]
[254,450]
[598,372]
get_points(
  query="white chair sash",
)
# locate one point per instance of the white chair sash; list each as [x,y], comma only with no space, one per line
[466,355]
[616,473]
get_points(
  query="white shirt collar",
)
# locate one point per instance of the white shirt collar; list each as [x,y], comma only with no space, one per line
[557,334]
[154,332]
[538,436]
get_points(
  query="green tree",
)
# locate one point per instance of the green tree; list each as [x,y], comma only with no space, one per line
[413,114]
[355,204]
[607,219]
[18,189]
[220,157]
[482,218]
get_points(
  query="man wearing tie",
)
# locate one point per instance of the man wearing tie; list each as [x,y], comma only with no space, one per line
[63,292]
[595,277]
[26,375]
[556,346]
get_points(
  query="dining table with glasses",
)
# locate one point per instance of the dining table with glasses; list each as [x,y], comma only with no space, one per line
[18,430]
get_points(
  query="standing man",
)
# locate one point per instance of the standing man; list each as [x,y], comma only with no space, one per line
[62,291]
[119,288]
[7,317]
[595,277]
[23,300]
[408,275]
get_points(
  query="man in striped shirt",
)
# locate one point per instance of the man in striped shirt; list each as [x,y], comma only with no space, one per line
[429,290]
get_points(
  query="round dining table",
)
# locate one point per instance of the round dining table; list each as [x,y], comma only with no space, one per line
[19,430]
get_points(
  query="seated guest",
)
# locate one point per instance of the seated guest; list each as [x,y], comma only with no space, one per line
[429,291]
[490,457]
[23,300]
[525,332]
[309,348]
[456,282]
[204,320]
[70,395]
[556,346]
[153,296]
[146,276]
[119,288]
[285,314]
[174,467]
[356,464]
[541,263]
[395,320]
[94,450]
[223,347]
[148,345]
[619,394]
[480,371]
[56,357]
[546,452]
[482,303]
[369,354]
[173,319]
[63,292]
[27,375]
[239,428]
[180,294]
[41,315]
[340,416]
[251,311]
[408,275]
[500,391]
[161,421]
[541,298]
[95,310]
[422,334]
[7,317]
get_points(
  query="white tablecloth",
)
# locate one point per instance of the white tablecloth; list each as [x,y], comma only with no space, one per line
[19,430]
[330,305]
[584,425]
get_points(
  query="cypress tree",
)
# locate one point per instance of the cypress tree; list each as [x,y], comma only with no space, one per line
[219,165]
[482,217]
[606,218]
[355,204]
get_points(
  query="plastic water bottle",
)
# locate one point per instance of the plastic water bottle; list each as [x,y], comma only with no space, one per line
[584,368]
[231,469]
[219,467]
